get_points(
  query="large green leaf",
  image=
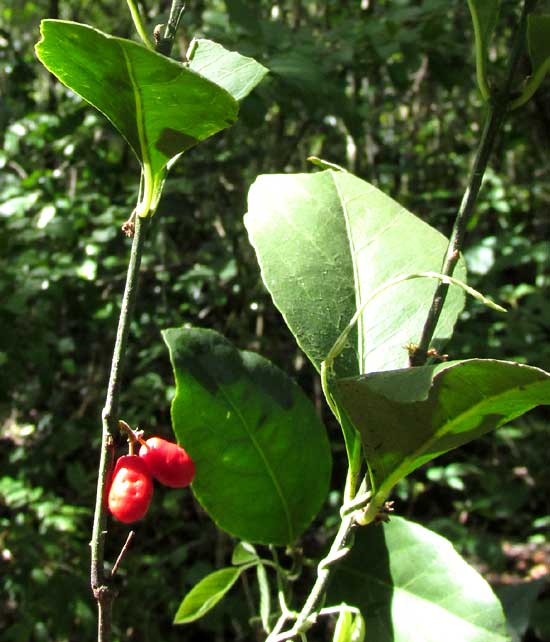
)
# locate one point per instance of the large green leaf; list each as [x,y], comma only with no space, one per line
[408,417]
[325,242]
[235,73]
[412,586]
[160,106]
[261,453]
[206,594]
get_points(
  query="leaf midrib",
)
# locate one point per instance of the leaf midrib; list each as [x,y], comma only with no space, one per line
[356,275]
[140,116]
[267,465]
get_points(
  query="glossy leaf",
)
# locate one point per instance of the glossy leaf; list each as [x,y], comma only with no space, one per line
[325,242]
[484,17]
[261,453]
[206,594]
[237,74]
[408,417]
[160,106]
[412,586]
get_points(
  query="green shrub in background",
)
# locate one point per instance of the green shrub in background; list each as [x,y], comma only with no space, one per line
[56,361]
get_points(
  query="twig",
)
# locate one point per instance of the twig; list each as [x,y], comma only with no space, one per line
[307,616]
[166,40]
[498,111]
[278,626]
[122,552]
[358,502]
[99,581]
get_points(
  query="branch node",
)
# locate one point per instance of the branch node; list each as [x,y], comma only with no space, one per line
[384,513]
[129,226]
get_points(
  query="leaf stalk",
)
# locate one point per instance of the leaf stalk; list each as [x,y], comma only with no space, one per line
[138,23]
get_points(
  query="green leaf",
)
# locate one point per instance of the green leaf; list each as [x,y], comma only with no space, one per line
[237,74]
[244,553]
[325,242]
[484,17]
[161,107]
[261,453]
[408,417]
[412,586]
[206,594]
[538,39]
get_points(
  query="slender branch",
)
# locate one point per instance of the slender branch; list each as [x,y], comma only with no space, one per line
[122,553]
[165,42]
[99,581]
[338,550]
[104,614]
[498,111]
[306,618]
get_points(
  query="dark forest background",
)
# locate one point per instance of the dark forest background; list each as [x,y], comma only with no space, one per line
[386,89]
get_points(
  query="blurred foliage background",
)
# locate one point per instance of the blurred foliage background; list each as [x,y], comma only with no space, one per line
[385,88]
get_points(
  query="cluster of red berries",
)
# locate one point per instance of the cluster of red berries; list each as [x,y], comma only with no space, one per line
[131,488]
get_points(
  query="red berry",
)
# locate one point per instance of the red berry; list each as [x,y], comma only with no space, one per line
[168,462]
[131,489]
